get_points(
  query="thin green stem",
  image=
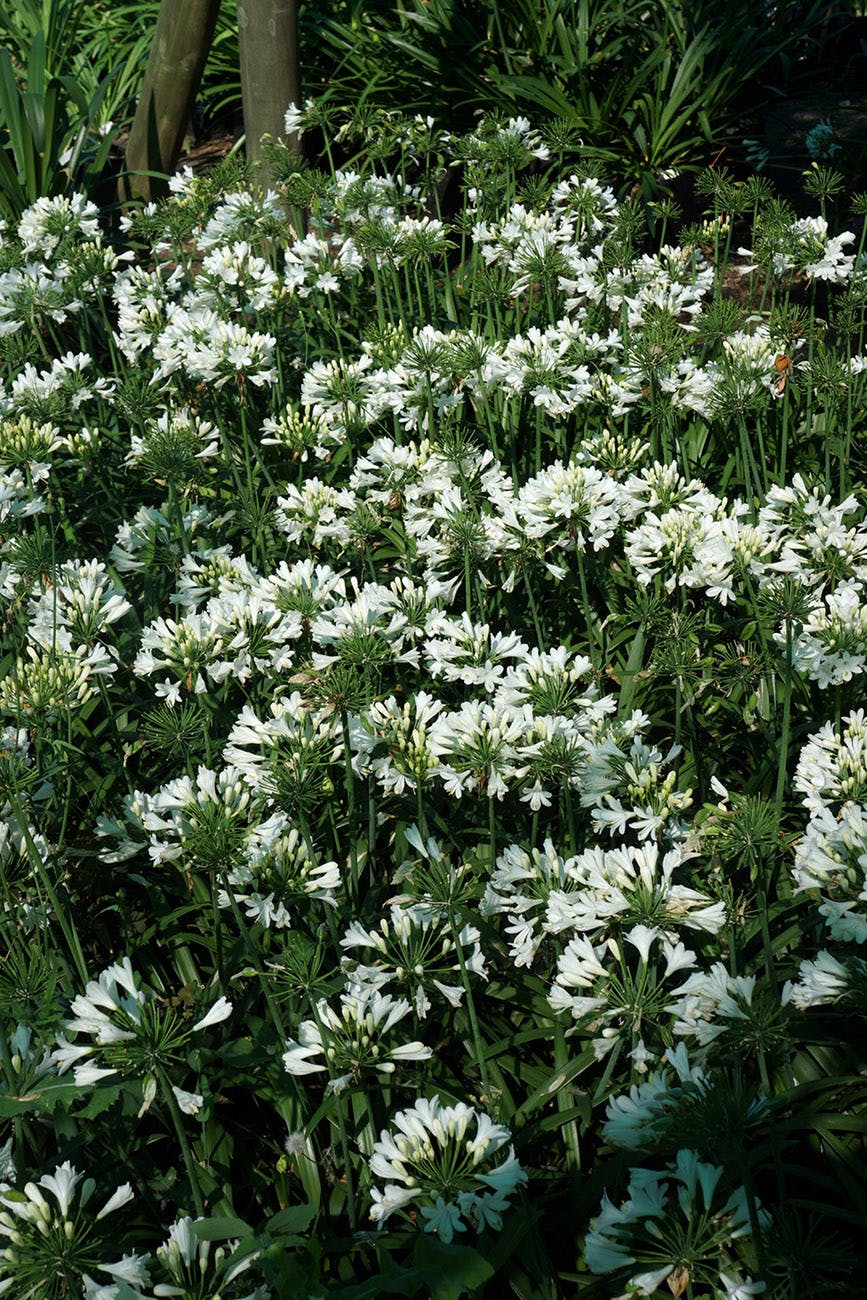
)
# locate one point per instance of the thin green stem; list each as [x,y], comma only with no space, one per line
[353,890]
[255,960]
[783,756]
[186,1150]
[347,1165]
[61,912]
[478,1043]
[570,1128]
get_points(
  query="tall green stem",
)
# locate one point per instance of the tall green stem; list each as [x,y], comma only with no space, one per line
[783,757]
[186,1150]
[254,958]
[61,913]
[353,890]
[478,1042]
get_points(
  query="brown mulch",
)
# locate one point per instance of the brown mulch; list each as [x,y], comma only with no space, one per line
[203,154]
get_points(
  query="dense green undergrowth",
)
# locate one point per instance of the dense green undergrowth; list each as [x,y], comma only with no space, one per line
[652,92]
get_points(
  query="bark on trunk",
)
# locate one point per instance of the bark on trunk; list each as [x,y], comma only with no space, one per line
[268,38]
[182,39]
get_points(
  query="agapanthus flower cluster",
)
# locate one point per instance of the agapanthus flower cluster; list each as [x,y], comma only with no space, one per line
[830,861]
[415,947]
[832,767]
[442,1168]
[188,1263]
[57,1239]
[123,1028]
[677,1225]
[618,991]
[543,894]
[806,245]
[353,1040]
[680,1095]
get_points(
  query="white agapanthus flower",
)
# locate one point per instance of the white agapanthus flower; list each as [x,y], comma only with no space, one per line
[441,1162]
[123,1029]
[672,1219]
[831,644]
[188,1263]
[832,767]
[60,1235]
[354,1039]
[417,949]
[832,858]
[48,221]
[820,981]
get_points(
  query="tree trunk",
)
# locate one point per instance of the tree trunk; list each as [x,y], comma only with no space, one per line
[182,39]
[268,39]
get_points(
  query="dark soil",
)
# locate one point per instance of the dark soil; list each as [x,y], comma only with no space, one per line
[211,147]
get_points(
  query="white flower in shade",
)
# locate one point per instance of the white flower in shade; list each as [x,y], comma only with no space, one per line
[188,1102]
[443,1161]
[671,1220]
[832,858]
[129,1274]
[846,921]
[122,1196]
[277,873]
[191,1266]
[443,1219]
[128,1031]
[635,1119]
[625,784]
[7,1163]
[735,1289]
[58,1236]
[353,1039]
[221,1010]
[414,946]
[709,1002]
[61,1183]
[535,891]
[130,1269]
[820,981]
